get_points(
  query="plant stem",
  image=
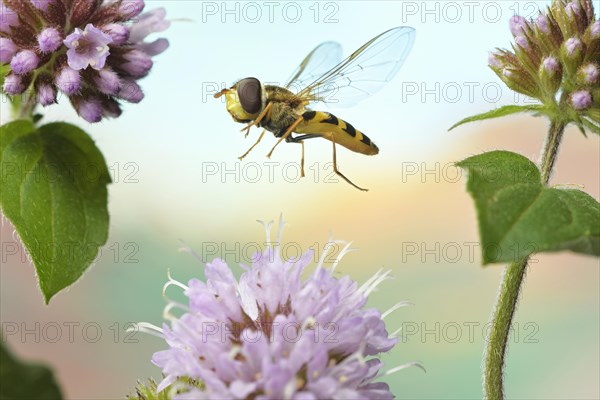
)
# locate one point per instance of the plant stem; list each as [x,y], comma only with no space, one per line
[512,281]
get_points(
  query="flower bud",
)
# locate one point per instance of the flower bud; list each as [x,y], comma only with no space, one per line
[111,108]
[518,25]
[588,74]
[130,91]
[572,54]
[89,109]
[137,64]
[24,62]
[131,8]
[49,40]
[107,81]
[68,81]
[7,50]
[550,75]
[548,34]
[8,18]
[520,81]
[494,61]
[595,30]
[13,84]
[46,95]
[581,100]
[119,33]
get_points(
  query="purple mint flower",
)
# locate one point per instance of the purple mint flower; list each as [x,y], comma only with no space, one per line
[87,48]
[137,63]
[130,91]
[108,81]
[8,18]
[46,94]
[42,4]
[24,62]
[581,100]
[551,65]
[518,25]
[265,335]
[117,32]
[90,109]
[150,22]
[131,8]
[49,40]
[154,48]
[494,60]
[13,85]
[590,73]
[68,81]
[543,23]
[572,45]
[572,9]
[522,42]
[111,109]
[7,50]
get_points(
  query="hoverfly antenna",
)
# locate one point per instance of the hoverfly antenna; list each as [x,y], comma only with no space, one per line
[221,93]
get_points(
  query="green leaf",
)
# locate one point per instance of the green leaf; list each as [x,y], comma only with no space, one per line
[20,380]
[4,70]
[590,125]
[499,112]
[54,192]
[519,216]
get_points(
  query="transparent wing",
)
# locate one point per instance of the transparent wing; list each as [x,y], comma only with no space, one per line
[320,60]
[366,71]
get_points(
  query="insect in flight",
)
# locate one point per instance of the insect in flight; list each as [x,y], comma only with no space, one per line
[321,77]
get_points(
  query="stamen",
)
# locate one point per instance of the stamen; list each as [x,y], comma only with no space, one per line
[396,307]
[344,251]
[400,368]
[187,249]
[147,328]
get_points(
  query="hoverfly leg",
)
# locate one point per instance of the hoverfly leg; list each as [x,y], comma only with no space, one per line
[258,119]
[335,168]
[286,134]
[292,140]
[254,145]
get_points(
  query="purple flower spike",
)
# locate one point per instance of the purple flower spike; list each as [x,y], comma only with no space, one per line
[572,45]
[7,50]
[68,81]
[87,48]
[264,336]
[13,85]
[551,65]
[46,94]
[542,23]
[518,25]
[118,33]
[49,40]
[108,82]
[24,61]
[131,8]
[90,110]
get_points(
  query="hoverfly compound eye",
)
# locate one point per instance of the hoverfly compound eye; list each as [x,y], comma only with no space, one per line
[249,93]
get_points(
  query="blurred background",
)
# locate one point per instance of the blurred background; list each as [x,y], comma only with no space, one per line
[176,176]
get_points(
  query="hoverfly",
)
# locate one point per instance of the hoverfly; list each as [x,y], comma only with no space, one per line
[321,77]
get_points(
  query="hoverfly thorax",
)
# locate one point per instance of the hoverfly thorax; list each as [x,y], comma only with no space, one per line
[245,100]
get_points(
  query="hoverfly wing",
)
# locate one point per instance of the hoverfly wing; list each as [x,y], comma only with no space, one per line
[320,60]
[364,72]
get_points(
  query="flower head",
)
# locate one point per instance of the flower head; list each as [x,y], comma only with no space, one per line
[555,60]
[86,49]
[273,335]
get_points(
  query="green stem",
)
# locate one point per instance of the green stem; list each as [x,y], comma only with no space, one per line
[512,281]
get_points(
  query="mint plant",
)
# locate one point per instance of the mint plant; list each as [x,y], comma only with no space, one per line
[555,60]
[54,178]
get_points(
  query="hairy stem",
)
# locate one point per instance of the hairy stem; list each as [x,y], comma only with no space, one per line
[512,281]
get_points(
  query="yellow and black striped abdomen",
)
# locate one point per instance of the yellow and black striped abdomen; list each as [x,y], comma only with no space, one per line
[333,128]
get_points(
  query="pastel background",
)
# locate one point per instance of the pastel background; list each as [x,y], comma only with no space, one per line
[417,218]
